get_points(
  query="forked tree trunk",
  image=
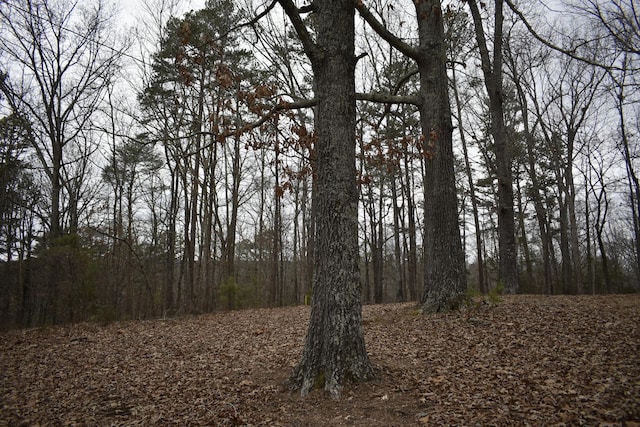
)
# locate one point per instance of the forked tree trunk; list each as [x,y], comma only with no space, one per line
[334,349]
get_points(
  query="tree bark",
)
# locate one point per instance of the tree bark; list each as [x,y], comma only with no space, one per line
[445,275]
[334,349]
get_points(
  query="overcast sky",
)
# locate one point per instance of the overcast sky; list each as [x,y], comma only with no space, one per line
[131,10]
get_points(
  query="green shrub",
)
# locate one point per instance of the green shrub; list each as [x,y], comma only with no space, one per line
[233,295]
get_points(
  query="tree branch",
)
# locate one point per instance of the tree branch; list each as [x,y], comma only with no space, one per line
[481,40]
[294,15]
[569,53]
[383,98]
[404,79]
[382,31]
[255,19]
[280,106]
[396,88]
[308,8]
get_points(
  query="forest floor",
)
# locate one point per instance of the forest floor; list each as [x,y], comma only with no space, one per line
[527,360]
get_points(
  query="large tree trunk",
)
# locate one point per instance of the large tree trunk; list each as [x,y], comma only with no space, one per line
[334,349]
[445,280]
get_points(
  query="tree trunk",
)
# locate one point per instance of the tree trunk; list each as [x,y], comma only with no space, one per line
[412,261]
[278,299]
[377,231]
[170,258]
[632,179]
[55,228]
[232,205]
[309,230]
[576,280]
[530,166]
[334,348]
[445,279]
[524,240]
[482,283]
[397,251]
[492,70]
[376,244]
[587,226]
[602,209]
[567,273]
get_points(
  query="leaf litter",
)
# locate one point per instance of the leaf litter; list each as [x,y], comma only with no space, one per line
[528,360]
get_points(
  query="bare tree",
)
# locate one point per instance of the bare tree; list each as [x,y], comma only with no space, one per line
[619,18]
[61,56]
[493,79]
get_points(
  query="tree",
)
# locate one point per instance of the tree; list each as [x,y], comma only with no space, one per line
[445,273]
[194,104]
[334,348]
[19,196]
[599,189]
[619,20]
[492,71]
[460,34]
[620,83]
[66,61]
[571,101]
[130,165]
[13,171]
[445,276]
[520,62]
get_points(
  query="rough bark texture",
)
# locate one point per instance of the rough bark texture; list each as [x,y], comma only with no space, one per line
[334,349]
[445,275]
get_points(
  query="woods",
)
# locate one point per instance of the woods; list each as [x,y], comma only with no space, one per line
[187,170]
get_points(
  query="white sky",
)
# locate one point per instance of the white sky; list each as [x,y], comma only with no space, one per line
[132,10]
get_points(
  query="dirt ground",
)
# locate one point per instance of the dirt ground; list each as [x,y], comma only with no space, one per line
[527,360]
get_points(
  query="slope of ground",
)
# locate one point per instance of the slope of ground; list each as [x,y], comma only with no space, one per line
[529,360]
